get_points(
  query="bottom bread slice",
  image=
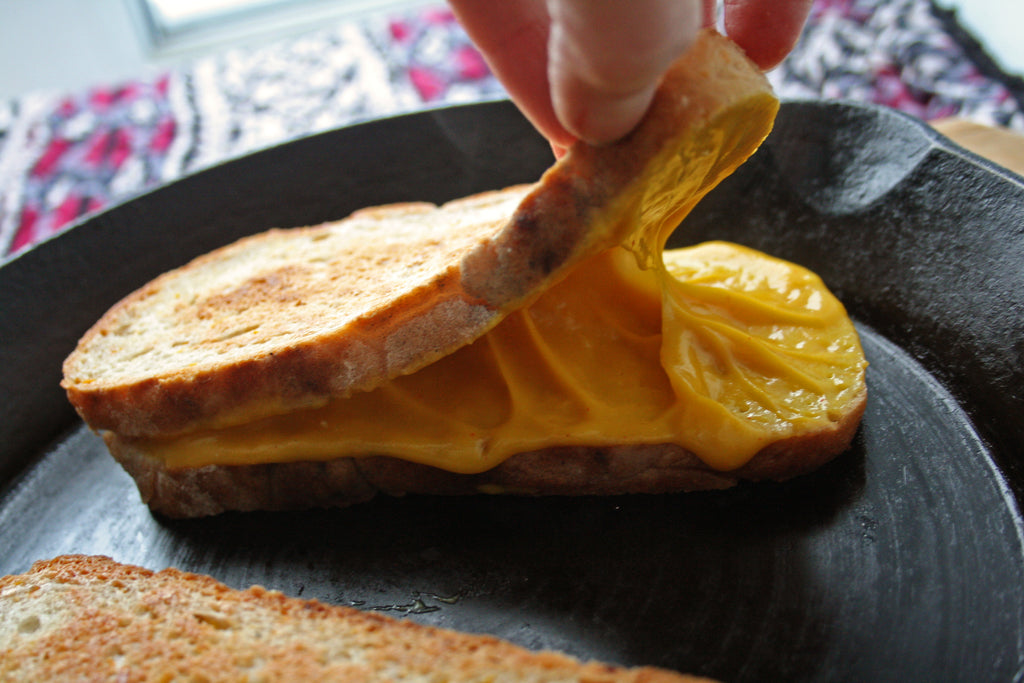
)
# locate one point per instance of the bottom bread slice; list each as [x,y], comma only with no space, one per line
[83,617]
[623,469]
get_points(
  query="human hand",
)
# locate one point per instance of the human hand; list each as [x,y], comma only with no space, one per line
[587,69]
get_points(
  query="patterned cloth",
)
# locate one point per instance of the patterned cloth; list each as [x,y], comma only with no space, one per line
[63,156]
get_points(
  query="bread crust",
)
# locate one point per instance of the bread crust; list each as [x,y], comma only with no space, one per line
[80,617]
[554,227]
[567,471]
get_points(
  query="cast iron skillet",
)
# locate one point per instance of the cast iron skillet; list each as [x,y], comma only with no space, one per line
[901,560]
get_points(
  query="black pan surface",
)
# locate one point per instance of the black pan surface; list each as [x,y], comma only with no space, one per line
[902,560]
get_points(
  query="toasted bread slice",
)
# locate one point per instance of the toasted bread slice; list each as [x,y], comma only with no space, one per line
[90,618]
[289,319]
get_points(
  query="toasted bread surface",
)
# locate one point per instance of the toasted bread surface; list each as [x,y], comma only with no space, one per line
[289,319]
[90,618]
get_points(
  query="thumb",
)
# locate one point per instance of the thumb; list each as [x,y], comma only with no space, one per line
[605,58]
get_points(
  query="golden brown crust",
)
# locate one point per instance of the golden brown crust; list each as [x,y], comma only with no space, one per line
[89,618]
[578,208]
[658,468]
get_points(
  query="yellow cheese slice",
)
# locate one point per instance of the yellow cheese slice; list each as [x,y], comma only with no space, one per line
[721,350]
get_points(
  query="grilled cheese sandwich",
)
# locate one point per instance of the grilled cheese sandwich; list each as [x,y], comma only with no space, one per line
[480,337]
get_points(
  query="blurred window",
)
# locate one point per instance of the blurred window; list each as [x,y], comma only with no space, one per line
[173,25]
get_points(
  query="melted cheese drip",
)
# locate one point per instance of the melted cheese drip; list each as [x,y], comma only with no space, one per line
[718,348]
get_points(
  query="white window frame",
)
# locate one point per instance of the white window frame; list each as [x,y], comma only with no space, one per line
[196,25]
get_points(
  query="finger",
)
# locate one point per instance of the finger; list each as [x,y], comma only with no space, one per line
[766,29]
[708,12]
[605,58]
[513,35]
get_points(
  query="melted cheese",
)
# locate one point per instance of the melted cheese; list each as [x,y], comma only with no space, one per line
[718,348]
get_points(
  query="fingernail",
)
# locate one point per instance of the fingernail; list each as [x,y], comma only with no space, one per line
[600,118]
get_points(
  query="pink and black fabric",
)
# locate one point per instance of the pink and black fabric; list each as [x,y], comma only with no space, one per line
[65,155]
